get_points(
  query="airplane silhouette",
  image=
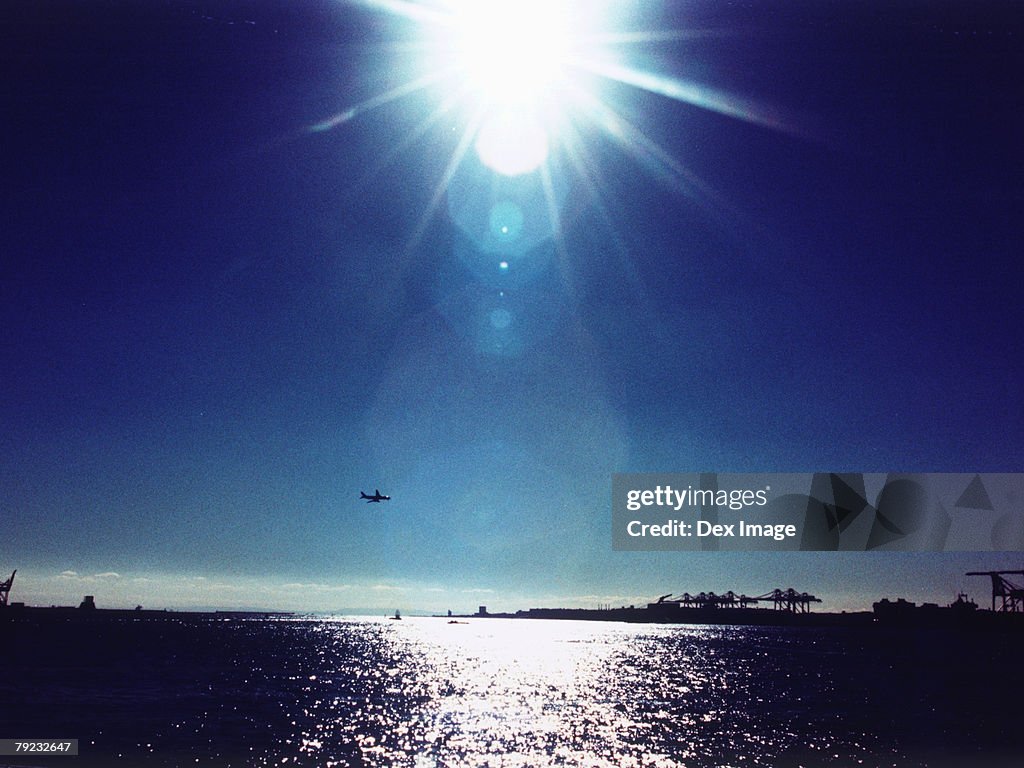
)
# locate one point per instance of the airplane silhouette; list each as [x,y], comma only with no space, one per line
[376,496]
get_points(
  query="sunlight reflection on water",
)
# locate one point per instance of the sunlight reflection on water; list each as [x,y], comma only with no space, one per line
[321,692]
[523,693]
[423,692]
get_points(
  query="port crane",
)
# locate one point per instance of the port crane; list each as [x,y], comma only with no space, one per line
[1011,595]
[5,588]
[782,600]
[791,600]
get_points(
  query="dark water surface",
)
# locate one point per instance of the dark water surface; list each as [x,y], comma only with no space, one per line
[422,692]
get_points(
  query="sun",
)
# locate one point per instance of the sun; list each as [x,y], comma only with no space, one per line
[510,53]
[512,60]
[527,82]
[509,64]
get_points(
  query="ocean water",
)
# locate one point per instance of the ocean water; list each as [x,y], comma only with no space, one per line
[494,692]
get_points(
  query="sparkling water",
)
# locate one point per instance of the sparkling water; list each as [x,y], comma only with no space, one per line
[508,692]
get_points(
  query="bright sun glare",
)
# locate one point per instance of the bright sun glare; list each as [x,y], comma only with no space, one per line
[523,75]
[511,53]
[509,58]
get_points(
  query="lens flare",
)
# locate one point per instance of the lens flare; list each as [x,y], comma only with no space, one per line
[512,143]
[506,221]
[501,318]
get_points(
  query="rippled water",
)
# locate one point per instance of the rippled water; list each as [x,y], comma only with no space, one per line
[423,692]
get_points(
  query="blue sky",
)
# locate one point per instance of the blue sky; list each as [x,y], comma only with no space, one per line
[227,310]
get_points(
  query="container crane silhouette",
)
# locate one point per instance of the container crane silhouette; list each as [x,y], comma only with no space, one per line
[1011,595]
[5,589]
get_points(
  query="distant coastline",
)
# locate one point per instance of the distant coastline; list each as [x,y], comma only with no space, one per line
[961,614]
[700,610]
[21,612]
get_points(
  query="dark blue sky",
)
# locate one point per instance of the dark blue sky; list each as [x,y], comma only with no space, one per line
[220,324]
